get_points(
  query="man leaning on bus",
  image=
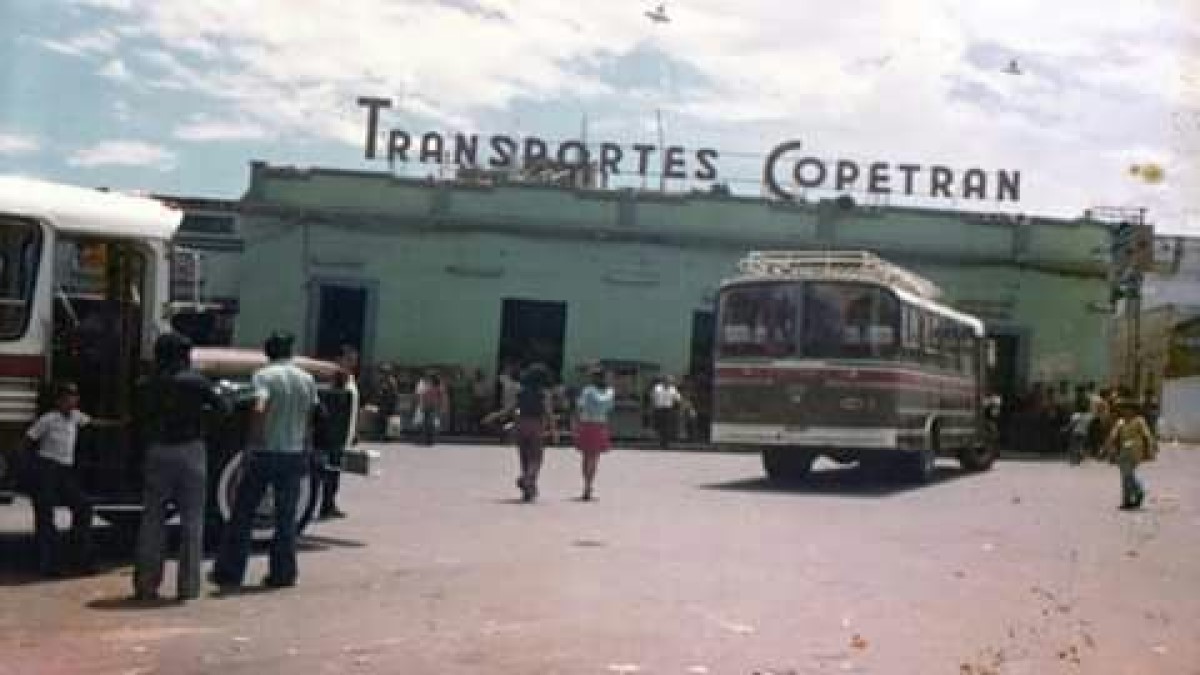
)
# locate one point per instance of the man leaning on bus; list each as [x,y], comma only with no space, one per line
[286,399]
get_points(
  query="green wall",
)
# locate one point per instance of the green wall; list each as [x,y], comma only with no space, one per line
[632,268]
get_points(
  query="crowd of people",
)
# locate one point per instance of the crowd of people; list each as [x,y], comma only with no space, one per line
[427,403]
[294,430]
[1043,418]
[1109,424]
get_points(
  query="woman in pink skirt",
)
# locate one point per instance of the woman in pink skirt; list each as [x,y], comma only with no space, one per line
[591,427]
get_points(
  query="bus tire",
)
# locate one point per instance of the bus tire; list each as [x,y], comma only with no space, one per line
[786,464]
[225,489]
[979,455]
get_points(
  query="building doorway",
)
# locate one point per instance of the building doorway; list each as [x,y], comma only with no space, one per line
[532,331]
[343,312]
[700,371]
[1002,365]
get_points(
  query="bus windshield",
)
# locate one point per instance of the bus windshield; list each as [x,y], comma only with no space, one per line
[809,320]
[19,249]
[759,321]
[849,320]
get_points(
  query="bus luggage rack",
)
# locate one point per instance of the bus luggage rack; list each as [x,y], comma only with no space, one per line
[835,265]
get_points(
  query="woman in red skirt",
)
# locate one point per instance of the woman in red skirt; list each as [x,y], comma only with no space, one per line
[591,428]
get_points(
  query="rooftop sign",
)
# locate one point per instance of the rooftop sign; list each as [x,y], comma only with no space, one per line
[787,172]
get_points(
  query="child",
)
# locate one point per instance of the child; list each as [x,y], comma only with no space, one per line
[55,479]
[1130,444]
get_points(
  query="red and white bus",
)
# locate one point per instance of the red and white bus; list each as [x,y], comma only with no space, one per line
[844,355]
[84,292]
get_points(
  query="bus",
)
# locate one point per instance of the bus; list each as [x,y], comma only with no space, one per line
[84,292]
[844,355]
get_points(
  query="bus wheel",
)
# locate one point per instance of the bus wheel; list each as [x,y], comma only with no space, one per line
[264,520]
[978,456]
[786,464]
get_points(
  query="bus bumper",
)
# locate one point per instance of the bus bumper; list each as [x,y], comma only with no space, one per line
[812,437]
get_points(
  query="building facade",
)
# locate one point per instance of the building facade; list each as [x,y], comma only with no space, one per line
[453,273]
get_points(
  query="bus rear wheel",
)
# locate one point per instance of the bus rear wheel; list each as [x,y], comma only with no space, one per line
[786,464]
[979,456]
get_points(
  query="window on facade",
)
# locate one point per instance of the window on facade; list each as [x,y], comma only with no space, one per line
[759,321]
[849,321]
[20,246]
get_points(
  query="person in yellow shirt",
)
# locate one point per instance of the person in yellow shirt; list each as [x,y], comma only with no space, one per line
[1129,444]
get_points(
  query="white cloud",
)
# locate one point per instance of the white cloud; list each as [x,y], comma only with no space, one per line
[112,5]
[122,111]
[115,70]
[917,80]
[120,152]
[16,145]
[85,44]
[201,129]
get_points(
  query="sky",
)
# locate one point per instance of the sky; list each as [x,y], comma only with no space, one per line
[179,96]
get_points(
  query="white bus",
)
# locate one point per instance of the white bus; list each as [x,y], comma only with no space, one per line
[844,355]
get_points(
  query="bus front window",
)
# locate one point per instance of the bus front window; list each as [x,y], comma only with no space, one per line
[759,321]
[843,320]
[20,244]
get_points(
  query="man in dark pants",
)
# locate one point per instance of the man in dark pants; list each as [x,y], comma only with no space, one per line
[332,427]
[174,404]
[666,399]
[279,458]
[55,481]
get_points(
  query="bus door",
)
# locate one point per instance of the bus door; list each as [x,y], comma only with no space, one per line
[100,306]
[21,362]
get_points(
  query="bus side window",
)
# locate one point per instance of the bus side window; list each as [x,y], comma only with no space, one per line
[929,338]
[968,351]
[910,332]
[959,347]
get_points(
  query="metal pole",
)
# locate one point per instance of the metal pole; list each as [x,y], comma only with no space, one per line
[662,149]
[1137,336]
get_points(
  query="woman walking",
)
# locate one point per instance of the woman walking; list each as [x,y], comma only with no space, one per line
[1130,444]
[533,410]
[591,429]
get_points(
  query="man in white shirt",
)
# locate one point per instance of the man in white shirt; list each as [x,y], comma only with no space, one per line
[509,388]
[279,458]
[666,399]
[55,480]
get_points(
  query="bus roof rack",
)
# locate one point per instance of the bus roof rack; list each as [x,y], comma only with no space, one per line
[840,265]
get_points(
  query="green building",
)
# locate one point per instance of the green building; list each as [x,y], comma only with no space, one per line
[449,272]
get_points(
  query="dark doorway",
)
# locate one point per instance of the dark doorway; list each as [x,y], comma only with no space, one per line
[700,371]
[533,331]
[341,319]
[1002,365]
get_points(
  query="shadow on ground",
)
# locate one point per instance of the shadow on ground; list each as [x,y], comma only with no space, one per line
[848,481]
[113,548]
